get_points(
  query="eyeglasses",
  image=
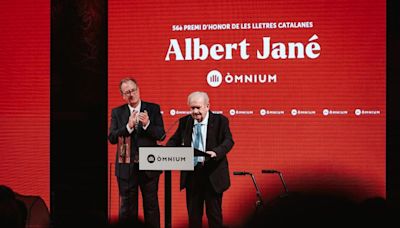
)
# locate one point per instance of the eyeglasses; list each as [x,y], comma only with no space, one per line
[127,93]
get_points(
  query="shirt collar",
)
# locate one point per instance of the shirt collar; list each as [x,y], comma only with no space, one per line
[137,108]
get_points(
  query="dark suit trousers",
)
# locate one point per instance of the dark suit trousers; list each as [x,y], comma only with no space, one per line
[198,192]
[128,190]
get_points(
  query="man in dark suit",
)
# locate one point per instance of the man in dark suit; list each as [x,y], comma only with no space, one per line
[133,125]
[209,133]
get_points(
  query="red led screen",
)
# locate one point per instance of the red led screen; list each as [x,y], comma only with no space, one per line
[302,83]
[25,97]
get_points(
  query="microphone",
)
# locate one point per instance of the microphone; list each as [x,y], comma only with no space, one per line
[241,173]
[269,171]
[280,176]
[168,130]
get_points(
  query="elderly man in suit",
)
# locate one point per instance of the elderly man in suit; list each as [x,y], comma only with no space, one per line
[210,133]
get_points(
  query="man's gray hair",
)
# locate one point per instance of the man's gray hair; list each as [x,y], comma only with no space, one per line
[196,94]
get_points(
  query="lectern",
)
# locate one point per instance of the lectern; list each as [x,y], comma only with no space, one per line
[167,159]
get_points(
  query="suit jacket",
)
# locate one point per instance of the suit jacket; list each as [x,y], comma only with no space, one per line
[219,139]
[143,138]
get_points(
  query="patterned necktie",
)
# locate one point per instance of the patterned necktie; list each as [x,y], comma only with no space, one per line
[137,119]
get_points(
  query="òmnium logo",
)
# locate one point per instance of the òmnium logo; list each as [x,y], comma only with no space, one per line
[151,158]
[214,78]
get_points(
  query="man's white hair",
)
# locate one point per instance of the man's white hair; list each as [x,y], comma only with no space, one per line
[197,94]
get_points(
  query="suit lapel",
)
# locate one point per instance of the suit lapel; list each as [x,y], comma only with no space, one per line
[143,106]
[189,131]
[125,114]
[210,128]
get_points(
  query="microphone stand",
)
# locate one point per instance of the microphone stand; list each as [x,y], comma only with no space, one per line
[283,183]
[271,171]
[259,201]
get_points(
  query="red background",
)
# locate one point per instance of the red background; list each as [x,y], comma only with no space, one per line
[25,97]
[341,154]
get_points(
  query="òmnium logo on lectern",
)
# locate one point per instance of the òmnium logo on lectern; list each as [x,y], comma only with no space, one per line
[166,158]
[151,158]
